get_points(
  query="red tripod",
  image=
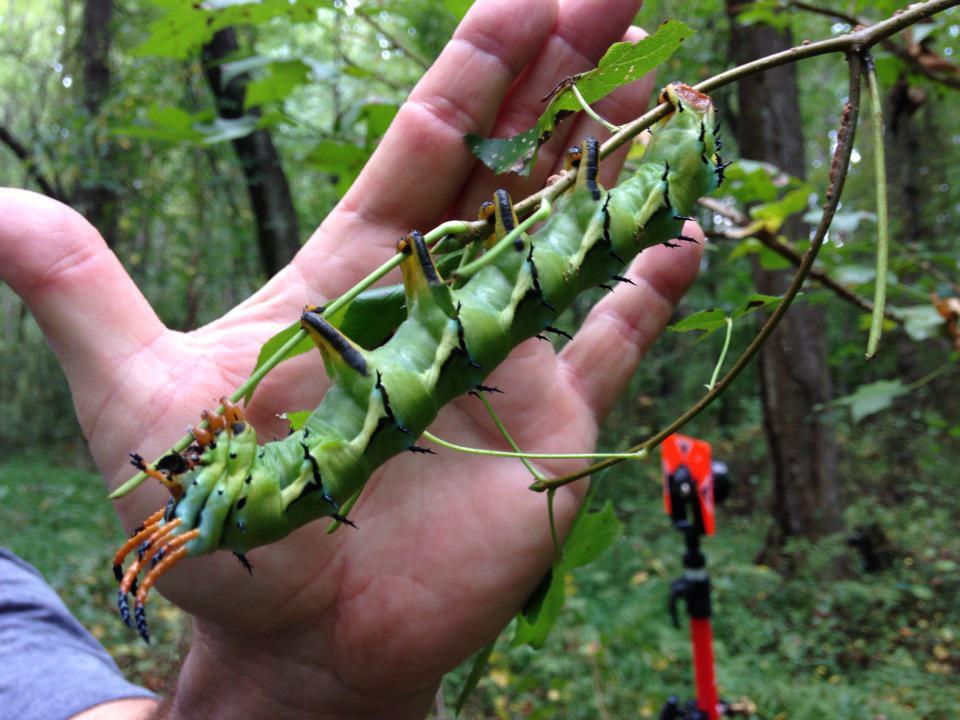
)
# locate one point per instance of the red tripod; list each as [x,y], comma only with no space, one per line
[693,483]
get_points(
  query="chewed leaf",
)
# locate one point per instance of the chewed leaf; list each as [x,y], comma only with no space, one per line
[297,419]
[757,301]
[623,63]
[708,320]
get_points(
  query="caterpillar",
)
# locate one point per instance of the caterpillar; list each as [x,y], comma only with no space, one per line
[229,492]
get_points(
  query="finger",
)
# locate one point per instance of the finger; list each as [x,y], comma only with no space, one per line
[618,331]
[581,36]
[88,307]
[621,106]
[85,302]
[421,163]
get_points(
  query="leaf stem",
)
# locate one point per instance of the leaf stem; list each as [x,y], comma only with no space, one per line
[631,455]
[591,112]
[471,268]
[723,354]
[503,431]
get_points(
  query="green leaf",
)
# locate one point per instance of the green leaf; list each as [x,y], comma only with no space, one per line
[225,129]
[708,320]
[592,533]
[757,301]
[277,83]
[187,24]
[920,322]
[872,398]
[774,214]
[622,63]
[772,260]
[370,319]
[341,159]
[168,123]
[297,419]
[747,246]
[752,181]
[457,8]
[378,115]
[540,614]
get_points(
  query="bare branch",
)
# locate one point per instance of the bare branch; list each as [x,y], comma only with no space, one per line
[395,41]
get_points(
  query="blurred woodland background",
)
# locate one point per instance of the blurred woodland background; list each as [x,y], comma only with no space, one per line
[207,140]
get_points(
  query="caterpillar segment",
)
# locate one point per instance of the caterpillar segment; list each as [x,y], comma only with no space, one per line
[228,492]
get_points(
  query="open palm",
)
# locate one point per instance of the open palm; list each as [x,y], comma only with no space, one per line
[448,546]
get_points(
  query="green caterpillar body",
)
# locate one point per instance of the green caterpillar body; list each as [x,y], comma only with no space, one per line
[235,494]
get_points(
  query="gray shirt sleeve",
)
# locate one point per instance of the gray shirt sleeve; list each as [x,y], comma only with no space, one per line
[50,666]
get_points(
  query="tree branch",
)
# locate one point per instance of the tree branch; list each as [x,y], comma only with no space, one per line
[768,239]
[395,41]
[948,74]
[30,163]
[850,43]
[838,173]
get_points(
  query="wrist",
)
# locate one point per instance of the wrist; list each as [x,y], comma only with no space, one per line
[249,677]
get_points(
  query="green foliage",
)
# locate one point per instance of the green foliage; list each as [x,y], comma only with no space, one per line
[710,320]
[622,63]
[819,637]
[592,533]
[185,25]
[872,398]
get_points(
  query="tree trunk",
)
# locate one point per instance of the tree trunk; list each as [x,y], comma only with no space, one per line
[95,198]
[278,235]
[794,375]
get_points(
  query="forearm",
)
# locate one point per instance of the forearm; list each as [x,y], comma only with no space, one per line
[249,679]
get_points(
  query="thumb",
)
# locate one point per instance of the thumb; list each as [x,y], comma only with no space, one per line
[90,310]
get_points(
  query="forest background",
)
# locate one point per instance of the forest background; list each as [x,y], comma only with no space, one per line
[206,152]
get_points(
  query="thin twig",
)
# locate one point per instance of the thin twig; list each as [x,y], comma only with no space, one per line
[951,80]
[838,173]
[395,41]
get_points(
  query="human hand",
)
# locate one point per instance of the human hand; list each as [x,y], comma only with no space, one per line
[361,623]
